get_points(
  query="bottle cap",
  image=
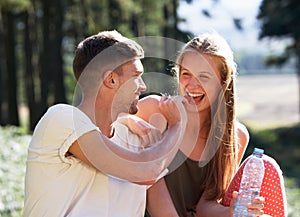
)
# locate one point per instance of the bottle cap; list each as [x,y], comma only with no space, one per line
[258,151]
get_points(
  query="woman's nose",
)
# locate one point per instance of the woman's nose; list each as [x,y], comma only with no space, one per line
[194,82]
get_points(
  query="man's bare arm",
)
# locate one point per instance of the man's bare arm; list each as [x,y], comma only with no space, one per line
[98,151]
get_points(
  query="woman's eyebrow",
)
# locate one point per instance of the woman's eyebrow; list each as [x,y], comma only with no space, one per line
[205,72]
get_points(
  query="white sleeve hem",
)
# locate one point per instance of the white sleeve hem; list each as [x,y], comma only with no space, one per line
[71,139]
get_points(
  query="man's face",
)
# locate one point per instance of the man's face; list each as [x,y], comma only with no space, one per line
[130,88]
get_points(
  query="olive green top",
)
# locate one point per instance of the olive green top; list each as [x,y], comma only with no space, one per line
[185,184]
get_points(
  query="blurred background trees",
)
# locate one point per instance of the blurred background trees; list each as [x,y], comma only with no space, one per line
[37,39]
[280,19]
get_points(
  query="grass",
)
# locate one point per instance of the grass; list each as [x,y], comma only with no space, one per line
[12,169]
[282,143]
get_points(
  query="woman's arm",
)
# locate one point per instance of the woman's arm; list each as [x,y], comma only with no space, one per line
[207,208]
[159,202]
[243,140]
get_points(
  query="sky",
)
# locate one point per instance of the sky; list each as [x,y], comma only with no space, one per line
[223,13]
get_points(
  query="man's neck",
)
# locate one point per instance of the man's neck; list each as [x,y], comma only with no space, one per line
[99,114]
[104,121]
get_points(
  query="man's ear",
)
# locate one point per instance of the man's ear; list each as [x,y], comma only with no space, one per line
[111,79]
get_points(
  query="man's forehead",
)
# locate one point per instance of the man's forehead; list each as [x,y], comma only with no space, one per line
[134,64]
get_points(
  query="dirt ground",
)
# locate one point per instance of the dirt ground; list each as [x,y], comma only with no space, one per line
[266,100]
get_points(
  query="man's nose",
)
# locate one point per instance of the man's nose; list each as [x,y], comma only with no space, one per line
[142,85]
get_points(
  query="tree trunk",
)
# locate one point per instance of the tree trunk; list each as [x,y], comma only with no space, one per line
[45,57]
[114,13]
[29,81]
[2,57]
[58,78]
[297,40]
[11,89]
[298,77]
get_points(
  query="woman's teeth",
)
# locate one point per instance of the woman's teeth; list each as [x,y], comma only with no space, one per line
[195,94]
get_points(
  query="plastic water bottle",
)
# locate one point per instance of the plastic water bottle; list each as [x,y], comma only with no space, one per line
[253,175]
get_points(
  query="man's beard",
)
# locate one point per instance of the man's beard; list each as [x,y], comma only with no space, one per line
[133,109]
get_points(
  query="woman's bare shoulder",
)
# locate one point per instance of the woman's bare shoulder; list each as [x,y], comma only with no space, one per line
[150,99]
[243,133]
[147,106]
[148,110]
[243,139]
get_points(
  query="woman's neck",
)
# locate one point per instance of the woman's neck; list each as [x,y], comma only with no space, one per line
[196,134]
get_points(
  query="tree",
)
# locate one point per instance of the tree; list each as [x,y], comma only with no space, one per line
[38,37]
[1,65]
[11,12]
[51,55]
[280,19]
[10,77]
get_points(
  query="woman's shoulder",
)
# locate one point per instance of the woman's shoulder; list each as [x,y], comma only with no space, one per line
[243,139]
[147,106]
[148,110]
[242,132]
[150,100]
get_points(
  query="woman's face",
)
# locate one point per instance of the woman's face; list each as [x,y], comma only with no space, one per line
[199,79]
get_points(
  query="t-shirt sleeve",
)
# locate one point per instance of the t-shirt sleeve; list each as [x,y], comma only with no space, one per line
[56,132]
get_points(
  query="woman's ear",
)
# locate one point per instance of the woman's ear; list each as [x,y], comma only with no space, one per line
[111,79]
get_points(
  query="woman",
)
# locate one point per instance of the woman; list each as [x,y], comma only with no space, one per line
[214,141]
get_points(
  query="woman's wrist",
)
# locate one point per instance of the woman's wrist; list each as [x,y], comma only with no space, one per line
[228,211]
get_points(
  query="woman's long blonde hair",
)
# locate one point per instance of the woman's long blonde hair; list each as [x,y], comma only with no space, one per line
[222,139]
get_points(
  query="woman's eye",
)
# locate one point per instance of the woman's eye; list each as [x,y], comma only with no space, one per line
[203,77]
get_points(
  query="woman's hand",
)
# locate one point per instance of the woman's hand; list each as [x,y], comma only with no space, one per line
[255,207]
[172,109]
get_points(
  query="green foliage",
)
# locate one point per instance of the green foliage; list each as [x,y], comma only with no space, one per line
[15,4]
[280,19]
[293,195]
[12,170]
[282,144]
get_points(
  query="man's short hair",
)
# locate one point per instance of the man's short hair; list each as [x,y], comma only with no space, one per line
[111,45]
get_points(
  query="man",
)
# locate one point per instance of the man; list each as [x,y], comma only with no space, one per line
[71,160]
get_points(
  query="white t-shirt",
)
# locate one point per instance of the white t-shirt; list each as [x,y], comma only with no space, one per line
[57,185]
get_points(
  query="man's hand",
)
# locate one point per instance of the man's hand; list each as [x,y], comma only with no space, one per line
[148,133]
